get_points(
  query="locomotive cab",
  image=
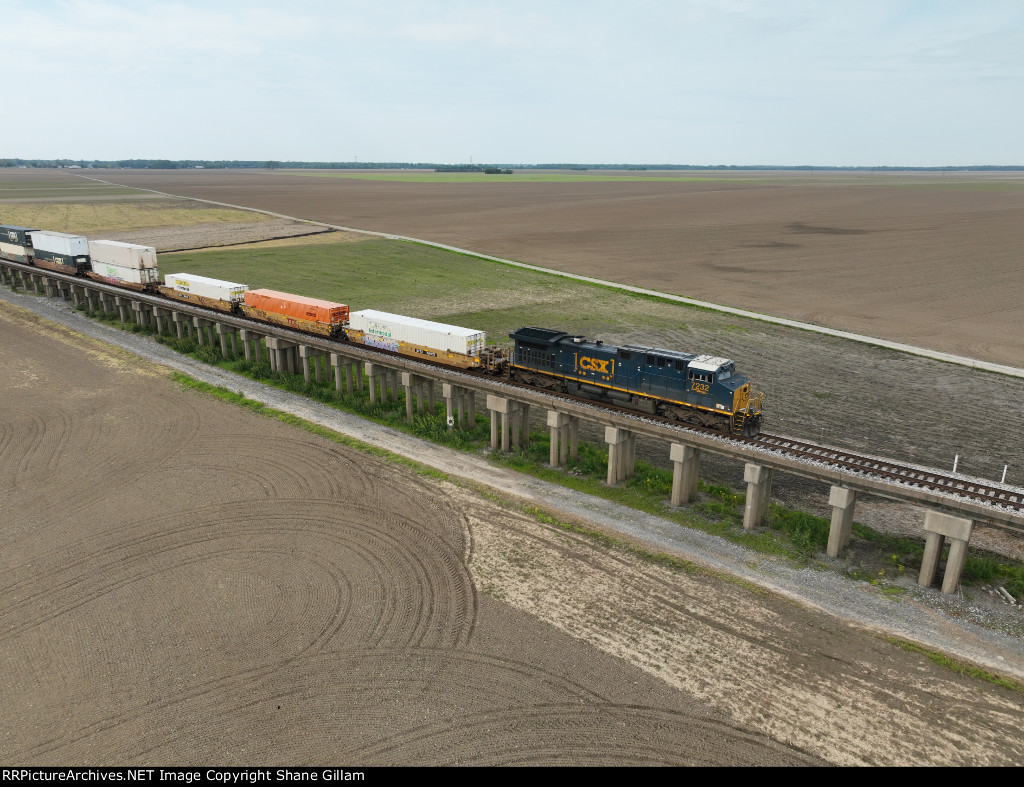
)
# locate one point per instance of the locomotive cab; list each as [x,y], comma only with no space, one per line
[713,385]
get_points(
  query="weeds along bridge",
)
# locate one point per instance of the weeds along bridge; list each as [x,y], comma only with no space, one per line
[951,504]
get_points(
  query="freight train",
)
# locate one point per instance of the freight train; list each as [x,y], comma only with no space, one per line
[698,389]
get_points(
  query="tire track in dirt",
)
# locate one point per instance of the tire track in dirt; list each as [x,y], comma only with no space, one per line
[319,708]
[594,735]
[413,588]
[56,444]
[768,671]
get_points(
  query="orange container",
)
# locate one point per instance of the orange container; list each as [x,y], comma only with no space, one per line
[298,306]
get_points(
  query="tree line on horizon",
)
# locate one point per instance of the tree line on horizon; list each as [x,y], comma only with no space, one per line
[214,164]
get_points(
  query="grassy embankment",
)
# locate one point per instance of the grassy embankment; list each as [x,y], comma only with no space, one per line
[88,218]
[375,273]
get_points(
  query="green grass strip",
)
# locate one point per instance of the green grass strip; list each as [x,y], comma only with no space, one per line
[293,420]
[959,667]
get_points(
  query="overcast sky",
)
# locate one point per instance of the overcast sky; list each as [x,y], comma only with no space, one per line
[782,82]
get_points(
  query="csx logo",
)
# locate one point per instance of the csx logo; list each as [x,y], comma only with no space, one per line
[594,365]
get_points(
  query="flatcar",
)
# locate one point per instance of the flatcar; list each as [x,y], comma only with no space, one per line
[695,389]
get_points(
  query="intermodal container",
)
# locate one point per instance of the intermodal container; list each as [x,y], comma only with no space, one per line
[60,243]
[206,287]
[383,329]
[297,306]
[125,273]
[12,251]
[19,236]
[125,255]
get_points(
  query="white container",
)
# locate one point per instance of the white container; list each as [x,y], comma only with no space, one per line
[60,243]
[125,273]
[127,255]
[13,251]
[388,328]
[206,287]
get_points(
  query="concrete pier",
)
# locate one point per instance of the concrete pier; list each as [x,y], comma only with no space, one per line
[342,366]
[282,355]
[501,410]
[843,501]
[414,386]
[938,527]
[252,345]
[182,324]
[160,316]
[621,454]
[201,325]
[122,305]
[348,372]
[460,406]
[685,469]
[759,487]
[382,376]
[141,312]
[226,332]
[311,355]
[558,424]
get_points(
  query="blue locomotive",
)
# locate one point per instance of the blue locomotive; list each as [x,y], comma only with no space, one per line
[694,389]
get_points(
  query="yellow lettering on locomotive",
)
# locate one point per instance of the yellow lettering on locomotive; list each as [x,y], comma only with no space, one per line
[701,388]
[594,365]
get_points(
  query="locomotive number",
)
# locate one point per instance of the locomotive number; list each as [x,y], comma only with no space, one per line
[701,388]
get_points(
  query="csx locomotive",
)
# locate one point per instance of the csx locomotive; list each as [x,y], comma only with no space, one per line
[695,389]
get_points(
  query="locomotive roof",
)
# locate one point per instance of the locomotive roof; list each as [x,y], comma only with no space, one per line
[544,334]
[17,227]
[700,363]
[675,355]
[708,363]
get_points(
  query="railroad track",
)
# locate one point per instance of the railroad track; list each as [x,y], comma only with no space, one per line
[972,489]
[865,466]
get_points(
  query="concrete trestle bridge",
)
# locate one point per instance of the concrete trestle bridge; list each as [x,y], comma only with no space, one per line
[951,504]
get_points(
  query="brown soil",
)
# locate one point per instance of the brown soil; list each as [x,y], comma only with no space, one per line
[930,259]
[187,582]
[232,233]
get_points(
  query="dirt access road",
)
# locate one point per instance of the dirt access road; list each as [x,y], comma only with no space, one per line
[928,259]
[187,582]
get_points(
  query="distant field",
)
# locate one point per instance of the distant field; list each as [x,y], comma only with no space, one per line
[19,184]
[957,180]
[88,217]
[65,193]
[521,176]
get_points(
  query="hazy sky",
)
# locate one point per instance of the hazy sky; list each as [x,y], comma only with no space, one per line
[790,82]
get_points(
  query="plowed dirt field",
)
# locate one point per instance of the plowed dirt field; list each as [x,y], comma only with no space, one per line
[931,259]
[187,582]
